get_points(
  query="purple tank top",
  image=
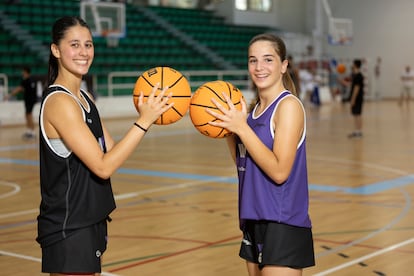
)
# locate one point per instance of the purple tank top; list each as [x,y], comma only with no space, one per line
[260,198]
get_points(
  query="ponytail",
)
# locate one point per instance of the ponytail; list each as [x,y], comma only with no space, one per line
[289,84]
[53,70]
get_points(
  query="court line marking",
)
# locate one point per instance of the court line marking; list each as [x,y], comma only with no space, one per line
[170,187]
[365,164]
[16,189]
[15,214]
[404,179]
[134,194]
[368,189]
[20,256]
[387,184]
[39,260]
[18,147]
[372,188]
[119,197]
[169,255]
[393,222]
[366,257]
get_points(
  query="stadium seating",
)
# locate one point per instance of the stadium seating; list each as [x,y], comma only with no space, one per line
[147,43]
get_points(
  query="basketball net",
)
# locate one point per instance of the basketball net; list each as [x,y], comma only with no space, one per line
[105,19]
[112,38]
[340,30]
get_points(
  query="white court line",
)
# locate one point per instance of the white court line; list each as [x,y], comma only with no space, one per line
[119,197]
[366,257]
[29,258]
[365,164]
[15,214]
[169,187]
[393,222]
[16,189]
[128,195]
[5,253]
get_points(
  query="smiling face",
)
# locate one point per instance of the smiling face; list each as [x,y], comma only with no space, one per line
[75,51]
[265,66]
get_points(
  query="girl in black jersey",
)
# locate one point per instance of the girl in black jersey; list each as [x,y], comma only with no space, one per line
[78,156]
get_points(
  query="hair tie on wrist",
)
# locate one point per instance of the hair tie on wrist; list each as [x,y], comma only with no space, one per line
[138,126]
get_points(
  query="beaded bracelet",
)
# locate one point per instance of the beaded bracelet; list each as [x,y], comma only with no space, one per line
[137,125]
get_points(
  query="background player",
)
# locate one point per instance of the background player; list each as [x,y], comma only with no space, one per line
[28,87]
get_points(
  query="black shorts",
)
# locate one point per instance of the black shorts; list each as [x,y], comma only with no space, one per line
[79,253]
[356,109]
[277,244]
[28,105]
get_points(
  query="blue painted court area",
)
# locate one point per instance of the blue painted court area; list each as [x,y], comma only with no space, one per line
[362,190]
[367,189]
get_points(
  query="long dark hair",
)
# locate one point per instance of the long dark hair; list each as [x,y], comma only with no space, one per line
[280,49]
[58,32]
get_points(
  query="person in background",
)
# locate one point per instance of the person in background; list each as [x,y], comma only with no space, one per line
[357,98]
[29,89]
[77,156]
[407,80]
[268,146]
[333,79]
[377,78]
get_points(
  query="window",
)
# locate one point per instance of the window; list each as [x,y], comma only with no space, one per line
[254,5]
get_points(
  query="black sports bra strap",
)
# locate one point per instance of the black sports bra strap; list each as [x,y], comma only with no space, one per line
[57,88]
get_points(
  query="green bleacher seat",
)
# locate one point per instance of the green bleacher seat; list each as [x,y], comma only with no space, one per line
[146,44]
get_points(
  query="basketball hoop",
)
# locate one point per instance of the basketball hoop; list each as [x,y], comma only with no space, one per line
[105,19]
[112,38]
[340,31]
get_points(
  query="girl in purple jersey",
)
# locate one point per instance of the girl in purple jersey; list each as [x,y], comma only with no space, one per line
[269,148]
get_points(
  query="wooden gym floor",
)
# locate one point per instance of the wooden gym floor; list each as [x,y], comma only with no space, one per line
[177,199]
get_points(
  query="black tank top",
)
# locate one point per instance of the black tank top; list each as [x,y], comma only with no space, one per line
[72,196]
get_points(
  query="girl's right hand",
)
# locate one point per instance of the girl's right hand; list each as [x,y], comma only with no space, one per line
[154,106]
[232,119]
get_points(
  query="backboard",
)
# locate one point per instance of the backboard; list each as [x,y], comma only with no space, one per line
[340,31]
[106,19]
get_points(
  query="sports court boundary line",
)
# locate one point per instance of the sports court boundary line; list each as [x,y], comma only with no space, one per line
[393,222]
[38,260]
[366,257]
[15,189]
[174,254]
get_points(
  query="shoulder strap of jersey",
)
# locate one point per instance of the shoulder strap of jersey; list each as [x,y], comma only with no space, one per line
[56,88]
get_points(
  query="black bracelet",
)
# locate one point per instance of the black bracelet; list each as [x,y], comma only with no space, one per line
[137,125]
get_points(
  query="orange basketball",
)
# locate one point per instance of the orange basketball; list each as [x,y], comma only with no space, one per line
[178,85]
[341,68]
[202,100]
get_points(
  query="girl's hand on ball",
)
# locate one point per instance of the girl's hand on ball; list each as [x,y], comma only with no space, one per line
[231,119]
[151,109]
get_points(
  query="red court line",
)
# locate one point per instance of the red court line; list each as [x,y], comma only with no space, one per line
[16,231]
[16,241]
[157,238]
[173,254]
[175,213]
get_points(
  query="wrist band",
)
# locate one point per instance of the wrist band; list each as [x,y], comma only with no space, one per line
[137,125]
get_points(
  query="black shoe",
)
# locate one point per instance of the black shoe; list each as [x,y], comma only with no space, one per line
[355,135]
[28,136]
